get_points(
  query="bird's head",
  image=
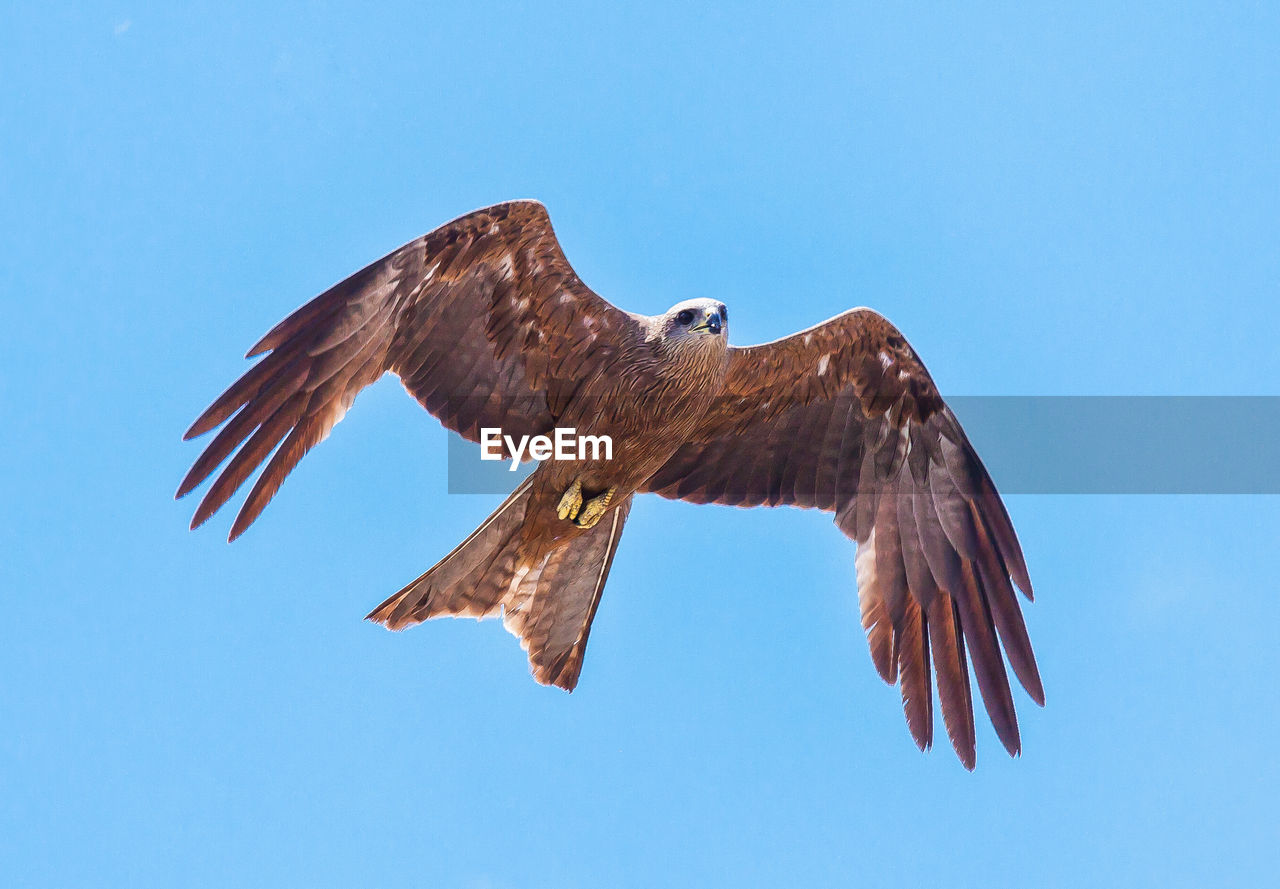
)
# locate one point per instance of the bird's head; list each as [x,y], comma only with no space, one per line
[694,320]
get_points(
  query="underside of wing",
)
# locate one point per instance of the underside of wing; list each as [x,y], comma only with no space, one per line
[844,417]
[483,319]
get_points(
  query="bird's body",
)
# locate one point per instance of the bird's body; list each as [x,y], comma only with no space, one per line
[488,326]
[668,379]
[649,407]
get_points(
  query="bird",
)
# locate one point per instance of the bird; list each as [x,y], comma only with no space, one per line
[488,327]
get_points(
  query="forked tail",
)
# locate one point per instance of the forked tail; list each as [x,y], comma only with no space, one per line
[548,606]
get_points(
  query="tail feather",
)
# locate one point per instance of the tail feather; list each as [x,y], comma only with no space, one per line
[471,580]
[549,606]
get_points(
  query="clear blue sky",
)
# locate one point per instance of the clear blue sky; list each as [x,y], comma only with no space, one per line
[1069,200]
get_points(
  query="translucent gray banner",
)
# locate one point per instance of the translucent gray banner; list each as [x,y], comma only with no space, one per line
[1067,445]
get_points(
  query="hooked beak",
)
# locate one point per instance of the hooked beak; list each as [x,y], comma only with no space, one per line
[710,323]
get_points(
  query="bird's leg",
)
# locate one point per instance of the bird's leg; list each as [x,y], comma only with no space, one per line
[571,502]
[594,509]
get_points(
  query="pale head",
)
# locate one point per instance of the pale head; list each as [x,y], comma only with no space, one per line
[695,319]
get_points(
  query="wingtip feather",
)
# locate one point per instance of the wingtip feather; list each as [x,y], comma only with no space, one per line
[1024,586]
[202,424]
[189,483]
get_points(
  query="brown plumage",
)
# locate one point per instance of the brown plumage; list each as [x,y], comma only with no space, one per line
[487,325]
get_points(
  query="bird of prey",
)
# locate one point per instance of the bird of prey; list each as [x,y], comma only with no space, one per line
[487,325]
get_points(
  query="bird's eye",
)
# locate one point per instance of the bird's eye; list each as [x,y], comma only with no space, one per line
[685,317]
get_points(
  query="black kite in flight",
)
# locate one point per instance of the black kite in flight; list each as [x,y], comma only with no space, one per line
[487,325]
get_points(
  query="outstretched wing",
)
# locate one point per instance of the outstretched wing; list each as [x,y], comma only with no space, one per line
[844,417]
[483,319]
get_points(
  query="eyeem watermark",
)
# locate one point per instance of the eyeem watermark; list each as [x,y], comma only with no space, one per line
[564,444]
[1031,444]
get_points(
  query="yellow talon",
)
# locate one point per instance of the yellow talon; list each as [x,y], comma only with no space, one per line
[571,502]
[594,509]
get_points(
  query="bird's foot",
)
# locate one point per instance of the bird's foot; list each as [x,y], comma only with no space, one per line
[571,502]
[594,509]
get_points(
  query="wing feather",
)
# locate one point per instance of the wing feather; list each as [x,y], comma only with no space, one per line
[993,682]
[259,377]
[952,674]
[242,425]
[254,451]
[913,670]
